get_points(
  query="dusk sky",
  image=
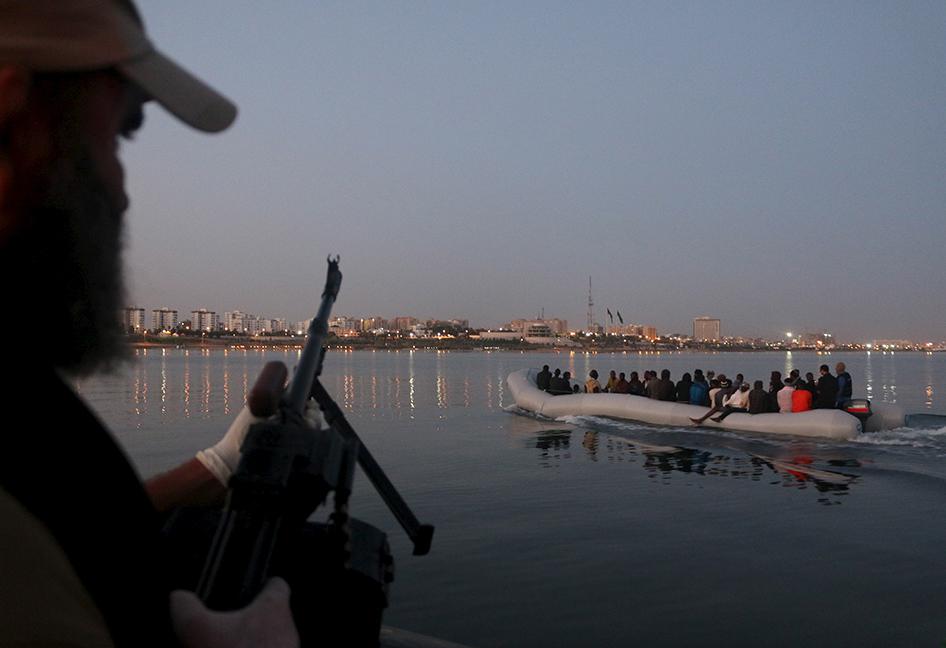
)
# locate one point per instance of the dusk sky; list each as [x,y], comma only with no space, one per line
[781,166]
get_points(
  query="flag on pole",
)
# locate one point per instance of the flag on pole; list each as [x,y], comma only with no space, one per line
[610,316]
[620,318]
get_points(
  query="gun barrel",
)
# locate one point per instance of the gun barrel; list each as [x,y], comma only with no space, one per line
[318,330]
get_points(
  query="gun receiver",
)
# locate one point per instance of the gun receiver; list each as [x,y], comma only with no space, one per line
[286,471]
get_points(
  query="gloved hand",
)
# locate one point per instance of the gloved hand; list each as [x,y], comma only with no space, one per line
[264,623]
[222,459]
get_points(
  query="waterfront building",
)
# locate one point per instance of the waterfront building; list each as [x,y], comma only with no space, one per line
[163,319]
[555,325]
[373,323]
[649,332]
[706,329]
[204,320]
[275,325]
[133,319]
[233,321]
[404,323]
[344,326]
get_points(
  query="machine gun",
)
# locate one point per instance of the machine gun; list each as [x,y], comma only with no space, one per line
[339,571]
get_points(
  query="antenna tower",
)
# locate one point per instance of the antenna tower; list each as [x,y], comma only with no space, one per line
[591,309]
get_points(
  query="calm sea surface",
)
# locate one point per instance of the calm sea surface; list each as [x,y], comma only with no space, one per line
[590,532]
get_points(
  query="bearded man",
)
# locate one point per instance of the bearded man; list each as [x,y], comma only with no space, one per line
[81,565]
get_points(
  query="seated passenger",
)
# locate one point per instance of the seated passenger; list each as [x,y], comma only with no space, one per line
[737,383]
[666,390]
[810,384]
[737,402]
[683,389]
[650,384]
[634,386]
[785,397]
[758,399]
[612,381]
[801,399]
[699,392]
[558,385]
[775,386]
[717,393]
[543,378]
[567,382]
[592,386]
[621,386]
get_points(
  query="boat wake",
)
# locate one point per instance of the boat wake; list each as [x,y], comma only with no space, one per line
[907,437]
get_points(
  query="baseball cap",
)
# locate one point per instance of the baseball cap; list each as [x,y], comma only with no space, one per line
[76,35]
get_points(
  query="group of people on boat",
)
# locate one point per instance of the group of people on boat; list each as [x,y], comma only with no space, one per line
[722,395]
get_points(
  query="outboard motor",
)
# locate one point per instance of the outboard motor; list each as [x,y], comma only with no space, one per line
[859,408]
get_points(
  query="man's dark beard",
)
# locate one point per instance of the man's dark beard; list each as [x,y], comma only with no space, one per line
[64,270]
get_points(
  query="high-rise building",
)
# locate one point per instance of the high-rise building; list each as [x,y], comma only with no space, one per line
[233,321]
[203,320]
[164,319]
[649,332]
[404,323]
[133,319]
[706,329]
[373,323]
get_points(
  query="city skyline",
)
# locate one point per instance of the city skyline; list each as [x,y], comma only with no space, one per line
[208,319]
[780,166]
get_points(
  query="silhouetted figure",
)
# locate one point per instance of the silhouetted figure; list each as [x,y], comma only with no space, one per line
[827,397]
[775,386]
[634,386]
[758,399]
[699,391]
[845,384]
[719,391]
[558,385]
[666,390]
[621,386]
[612,381]
[737,402]
[543,378]
[683,388]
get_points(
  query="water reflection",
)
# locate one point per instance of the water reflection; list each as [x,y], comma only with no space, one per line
[797,472]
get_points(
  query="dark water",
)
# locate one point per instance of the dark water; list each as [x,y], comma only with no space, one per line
[591,532]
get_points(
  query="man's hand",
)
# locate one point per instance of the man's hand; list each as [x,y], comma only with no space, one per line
[222,459]
[203,480]
[264,623]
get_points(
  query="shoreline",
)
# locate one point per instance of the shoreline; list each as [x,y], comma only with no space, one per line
[230,343]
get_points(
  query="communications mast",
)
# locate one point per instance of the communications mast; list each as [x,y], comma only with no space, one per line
[591,309]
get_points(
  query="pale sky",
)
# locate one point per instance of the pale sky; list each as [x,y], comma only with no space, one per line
[781,166]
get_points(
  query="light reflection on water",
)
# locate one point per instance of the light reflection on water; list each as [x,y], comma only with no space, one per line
[640,526]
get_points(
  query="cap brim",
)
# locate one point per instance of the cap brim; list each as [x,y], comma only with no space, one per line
[181,93]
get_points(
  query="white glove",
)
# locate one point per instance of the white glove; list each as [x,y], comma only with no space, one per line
[222,459]
[264,623]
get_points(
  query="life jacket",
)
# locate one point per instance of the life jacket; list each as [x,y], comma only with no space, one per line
[801,400]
